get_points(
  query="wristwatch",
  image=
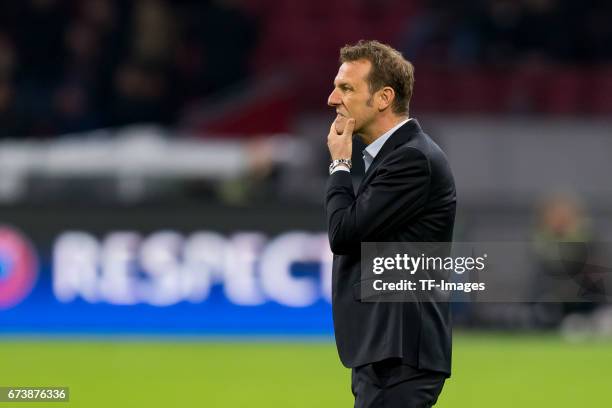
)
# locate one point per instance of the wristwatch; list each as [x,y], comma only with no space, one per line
[338,162]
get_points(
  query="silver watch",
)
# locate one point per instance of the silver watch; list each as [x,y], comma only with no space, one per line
[338,162]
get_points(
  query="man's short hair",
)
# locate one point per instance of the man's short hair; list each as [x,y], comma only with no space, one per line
[389,68]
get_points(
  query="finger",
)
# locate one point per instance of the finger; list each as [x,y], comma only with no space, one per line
[348,129]
[332,128]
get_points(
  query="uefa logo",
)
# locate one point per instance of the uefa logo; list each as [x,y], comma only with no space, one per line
[18,267]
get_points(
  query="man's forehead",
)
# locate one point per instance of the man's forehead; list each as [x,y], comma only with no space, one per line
[353,70]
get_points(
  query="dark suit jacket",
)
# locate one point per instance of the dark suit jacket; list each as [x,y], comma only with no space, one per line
[407,195]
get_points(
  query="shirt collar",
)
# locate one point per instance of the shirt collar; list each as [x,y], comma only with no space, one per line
[370,152]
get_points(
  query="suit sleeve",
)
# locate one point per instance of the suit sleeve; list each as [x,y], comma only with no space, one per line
[397,192]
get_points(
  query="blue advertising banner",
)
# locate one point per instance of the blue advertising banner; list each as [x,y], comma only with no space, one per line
[140,276]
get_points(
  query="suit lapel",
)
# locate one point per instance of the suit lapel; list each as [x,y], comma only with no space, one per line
[398,138]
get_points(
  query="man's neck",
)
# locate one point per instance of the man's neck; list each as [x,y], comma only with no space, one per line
[382,127]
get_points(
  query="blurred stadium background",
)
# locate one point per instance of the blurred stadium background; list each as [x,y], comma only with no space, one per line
[162,166]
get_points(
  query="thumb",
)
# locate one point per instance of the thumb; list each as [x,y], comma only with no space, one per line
[350,126]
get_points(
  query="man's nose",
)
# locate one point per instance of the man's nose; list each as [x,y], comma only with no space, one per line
[333,99]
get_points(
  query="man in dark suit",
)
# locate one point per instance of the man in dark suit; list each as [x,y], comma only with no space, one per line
[400,353]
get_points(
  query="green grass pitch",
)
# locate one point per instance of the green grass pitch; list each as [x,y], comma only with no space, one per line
[489,371]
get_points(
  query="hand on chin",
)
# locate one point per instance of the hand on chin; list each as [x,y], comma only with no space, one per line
[340,123]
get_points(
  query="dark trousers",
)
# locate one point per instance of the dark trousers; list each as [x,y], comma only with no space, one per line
[391,384]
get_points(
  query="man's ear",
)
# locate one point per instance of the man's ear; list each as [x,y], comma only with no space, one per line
[386,97]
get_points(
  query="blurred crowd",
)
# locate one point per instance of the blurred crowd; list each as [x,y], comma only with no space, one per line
[506,31]
[68,66]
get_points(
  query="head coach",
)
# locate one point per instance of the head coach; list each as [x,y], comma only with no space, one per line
[399,353]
